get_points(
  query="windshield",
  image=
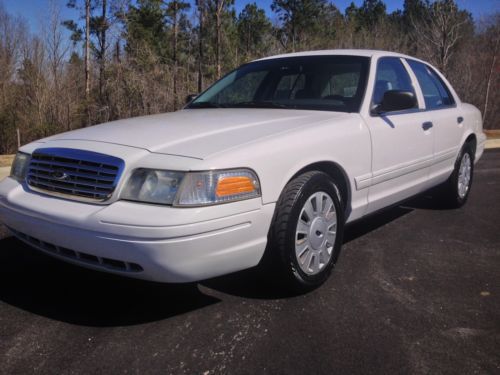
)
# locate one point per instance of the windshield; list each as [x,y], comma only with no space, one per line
[328,83]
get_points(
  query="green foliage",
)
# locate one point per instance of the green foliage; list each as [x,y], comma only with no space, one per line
[368,15]
[179,29]
[371,13]
[253,30]
[98,26]
[146,31]
[299,19]
[76,31]
[174,8]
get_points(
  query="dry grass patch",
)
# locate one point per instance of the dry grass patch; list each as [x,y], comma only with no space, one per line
[493,134]
[6,160]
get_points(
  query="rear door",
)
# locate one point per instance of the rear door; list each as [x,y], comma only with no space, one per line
[402,142]
[442,111]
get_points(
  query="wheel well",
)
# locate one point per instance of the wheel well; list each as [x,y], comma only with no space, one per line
[471,140]
[337,174]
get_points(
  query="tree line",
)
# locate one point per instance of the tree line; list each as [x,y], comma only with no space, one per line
[123,58]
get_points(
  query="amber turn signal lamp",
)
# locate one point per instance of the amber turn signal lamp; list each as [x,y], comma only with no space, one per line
[233,185]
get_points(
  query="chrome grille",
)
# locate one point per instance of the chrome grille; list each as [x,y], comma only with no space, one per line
[79,174]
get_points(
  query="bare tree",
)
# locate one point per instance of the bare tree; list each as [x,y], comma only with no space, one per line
[57,48]
[87,49]
[102,29]
[174,9]
[491,74]
[201,5]
[57,45]
[219,8]
[439,30]
[13,34]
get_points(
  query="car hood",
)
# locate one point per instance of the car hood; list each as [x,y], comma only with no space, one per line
[199,133]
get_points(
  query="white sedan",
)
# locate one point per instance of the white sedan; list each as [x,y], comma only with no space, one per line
[270,162]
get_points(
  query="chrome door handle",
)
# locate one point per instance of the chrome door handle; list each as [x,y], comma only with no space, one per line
[427,125]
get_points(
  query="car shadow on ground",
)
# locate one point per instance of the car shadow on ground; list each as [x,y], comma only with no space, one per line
[48,287]
[258,284]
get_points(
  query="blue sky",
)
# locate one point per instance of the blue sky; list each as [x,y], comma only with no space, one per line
[35,11]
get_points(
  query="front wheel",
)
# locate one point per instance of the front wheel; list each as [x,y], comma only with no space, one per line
[306,235]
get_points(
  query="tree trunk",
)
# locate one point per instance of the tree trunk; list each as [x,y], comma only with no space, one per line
[247,37]
[117,52]
[201,6]
[174,48]
[218,21]
[490,75]
[87,59]
[102,52]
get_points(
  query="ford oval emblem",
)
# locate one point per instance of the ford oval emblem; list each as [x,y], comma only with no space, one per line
[59,175]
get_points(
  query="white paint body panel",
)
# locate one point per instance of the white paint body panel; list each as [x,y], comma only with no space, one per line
[384,161]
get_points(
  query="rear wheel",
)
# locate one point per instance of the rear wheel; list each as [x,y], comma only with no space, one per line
[306,235]
[458,186]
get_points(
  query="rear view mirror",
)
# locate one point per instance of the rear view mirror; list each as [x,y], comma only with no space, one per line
[190,98]
[396,100]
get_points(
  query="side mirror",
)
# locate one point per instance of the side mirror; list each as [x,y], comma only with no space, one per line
[190,98]
[396,100]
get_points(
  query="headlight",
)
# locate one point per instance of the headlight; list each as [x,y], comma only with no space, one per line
[153,186]
[20,166]
[192,188]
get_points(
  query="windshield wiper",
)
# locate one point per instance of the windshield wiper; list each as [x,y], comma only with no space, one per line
[204,105]
[248,104]
[257,104]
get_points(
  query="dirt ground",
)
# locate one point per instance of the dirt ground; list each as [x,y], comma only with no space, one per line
[6,160]
[493,134]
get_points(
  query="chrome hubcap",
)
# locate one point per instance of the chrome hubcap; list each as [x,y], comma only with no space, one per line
[464,174]
[316,232]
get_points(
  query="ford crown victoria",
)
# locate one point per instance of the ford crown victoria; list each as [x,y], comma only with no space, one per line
[270,162]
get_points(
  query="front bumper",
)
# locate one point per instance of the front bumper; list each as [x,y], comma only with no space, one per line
[168,244]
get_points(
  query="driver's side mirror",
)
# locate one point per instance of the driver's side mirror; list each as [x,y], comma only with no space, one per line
[190,98]
[395,100]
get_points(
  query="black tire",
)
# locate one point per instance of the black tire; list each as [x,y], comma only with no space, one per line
[283,230]
[450,191]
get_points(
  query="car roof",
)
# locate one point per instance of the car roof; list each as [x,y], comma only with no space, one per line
[348,52]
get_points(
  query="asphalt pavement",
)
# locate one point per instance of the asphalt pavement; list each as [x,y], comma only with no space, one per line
[416,290]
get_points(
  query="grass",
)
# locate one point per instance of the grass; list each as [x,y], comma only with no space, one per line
[6,160]
[493,134]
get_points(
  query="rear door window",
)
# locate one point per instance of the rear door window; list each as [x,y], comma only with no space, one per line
[436,94]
